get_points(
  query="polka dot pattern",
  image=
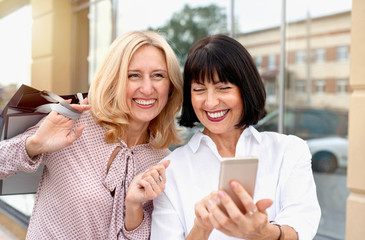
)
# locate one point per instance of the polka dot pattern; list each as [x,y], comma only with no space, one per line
[74,199]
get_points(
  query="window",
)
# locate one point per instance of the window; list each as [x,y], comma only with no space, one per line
[271,62]
[342,53]
[300,57]
[320,86]
[258,61]
[15,65]
[341,86]
[299,87]
[320,55]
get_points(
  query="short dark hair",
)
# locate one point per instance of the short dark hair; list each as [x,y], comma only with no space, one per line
[232,62]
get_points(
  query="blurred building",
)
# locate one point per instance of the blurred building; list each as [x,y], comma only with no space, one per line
[317,57]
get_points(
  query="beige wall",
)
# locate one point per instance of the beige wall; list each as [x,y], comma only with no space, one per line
[51,45]
[355,215]
[60,45]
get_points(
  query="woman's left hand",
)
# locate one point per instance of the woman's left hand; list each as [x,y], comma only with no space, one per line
[250,225]
[149,184]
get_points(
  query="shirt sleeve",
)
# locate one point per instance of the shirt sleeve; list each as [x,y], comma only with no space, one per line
[14,157]
[166,223]
[142,232]
[299,207]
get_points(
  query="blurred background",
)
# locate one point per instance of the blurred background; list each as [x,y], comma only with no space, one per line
[301,48]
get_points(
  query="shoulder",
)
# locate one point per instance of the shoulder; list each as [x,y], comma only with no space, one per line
[148,152]
[282,140]
[281,147]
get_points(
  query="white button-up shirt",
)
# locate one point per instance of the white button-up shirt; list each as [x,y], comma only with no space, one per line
[284,175]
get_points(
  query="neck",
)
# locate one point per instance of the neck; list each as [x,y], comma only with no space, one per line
[136,135]
[226,142]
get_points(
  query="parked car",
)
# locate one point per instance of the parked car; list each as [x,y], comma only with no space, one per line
[307,123]
[328,153]
[324,129]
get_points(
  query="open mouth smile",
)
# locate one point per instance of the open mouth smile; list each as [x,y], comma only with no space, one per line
[217,116]
[145,103]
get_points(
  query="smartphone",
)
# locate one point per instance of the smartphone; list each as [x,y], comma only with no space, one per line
[242,169]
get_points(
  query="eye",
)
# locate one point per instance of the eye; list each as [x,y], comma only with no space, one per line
[133,75]
[197,89]
[158,75]
[225,87]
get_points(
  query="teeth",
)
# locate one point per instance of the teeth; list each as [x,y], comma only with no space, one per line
[145,102]
[217,114]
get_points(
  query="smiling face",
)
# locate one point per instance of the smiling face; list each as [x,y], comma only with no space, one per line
[217,105]
[148,85]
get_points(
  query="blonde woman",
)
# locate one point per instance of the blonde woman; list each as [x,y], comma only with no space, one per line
[100,171]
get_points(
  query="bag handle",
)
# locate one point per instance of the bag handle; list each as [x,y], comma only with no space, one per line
[59,105]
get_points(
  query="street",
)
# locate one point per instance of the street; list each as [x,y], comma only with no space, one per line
[332,195]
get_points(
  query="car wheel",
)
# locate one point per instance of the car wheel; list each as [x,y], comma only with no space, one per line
[324,162]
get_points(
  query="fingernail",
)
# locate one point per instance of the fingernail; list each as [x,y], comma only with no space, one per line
[234,185]
[221,194]
[211,203]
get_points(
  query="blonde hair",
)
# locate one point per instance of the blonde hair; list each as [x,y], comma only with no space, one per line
[107,91]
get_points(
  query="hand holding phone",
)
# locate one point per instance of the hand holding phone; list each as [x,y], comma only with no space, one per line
[241,169]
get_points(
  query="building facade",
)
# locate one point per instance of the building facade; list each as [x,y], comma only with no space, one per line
[317,56]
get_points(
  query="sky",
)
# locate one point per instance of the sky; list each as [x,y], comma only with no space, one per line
[15,29]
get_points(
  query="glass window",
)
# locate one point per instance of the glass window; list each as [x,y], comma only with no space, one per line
[342,53]
[341,86]
[320,55]
[300,87]
[15,65]
[271,62]
[100,33]
[320,86]
[258,60]
[300,57]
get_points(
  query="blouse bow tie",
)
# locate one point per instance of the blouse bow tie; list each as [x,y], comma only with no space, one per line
[117,170]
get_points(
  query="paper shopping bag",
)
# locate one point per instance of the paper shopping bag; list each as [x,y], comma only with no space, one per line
[25,109]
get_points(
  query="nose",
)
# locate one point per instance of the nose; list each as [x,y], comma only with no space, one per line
[147,86]
[211,100]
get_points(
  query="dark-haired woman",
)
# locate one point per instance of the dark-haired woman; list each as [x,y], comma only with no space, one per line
[223,91]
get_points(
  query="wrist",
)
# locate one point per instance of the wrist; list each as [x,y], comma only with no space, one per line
[32,147]
[199,232]
[280,235]
[132,205]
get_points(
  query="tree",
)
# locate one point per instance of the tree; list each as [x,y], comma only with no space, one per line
[190,24]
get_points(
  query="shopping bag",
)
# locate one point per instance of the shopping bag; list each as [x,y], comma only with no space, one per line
[25,109]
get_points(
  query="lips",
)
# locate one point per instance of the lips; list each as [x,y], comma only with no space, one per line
[217,116]
[145,103]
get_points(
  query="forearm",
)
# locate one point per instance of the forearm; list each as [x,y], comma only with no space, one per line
[133,215]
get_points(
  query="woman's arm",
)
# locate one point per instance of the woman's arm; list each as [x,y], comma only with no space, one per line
[144,187]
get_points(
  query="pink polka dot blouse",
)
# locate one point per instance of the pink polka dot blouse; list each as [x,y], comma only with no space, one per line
[77,198]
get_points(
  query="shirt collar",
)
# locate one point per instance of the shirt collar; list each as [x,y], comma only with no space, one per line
[198,137]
